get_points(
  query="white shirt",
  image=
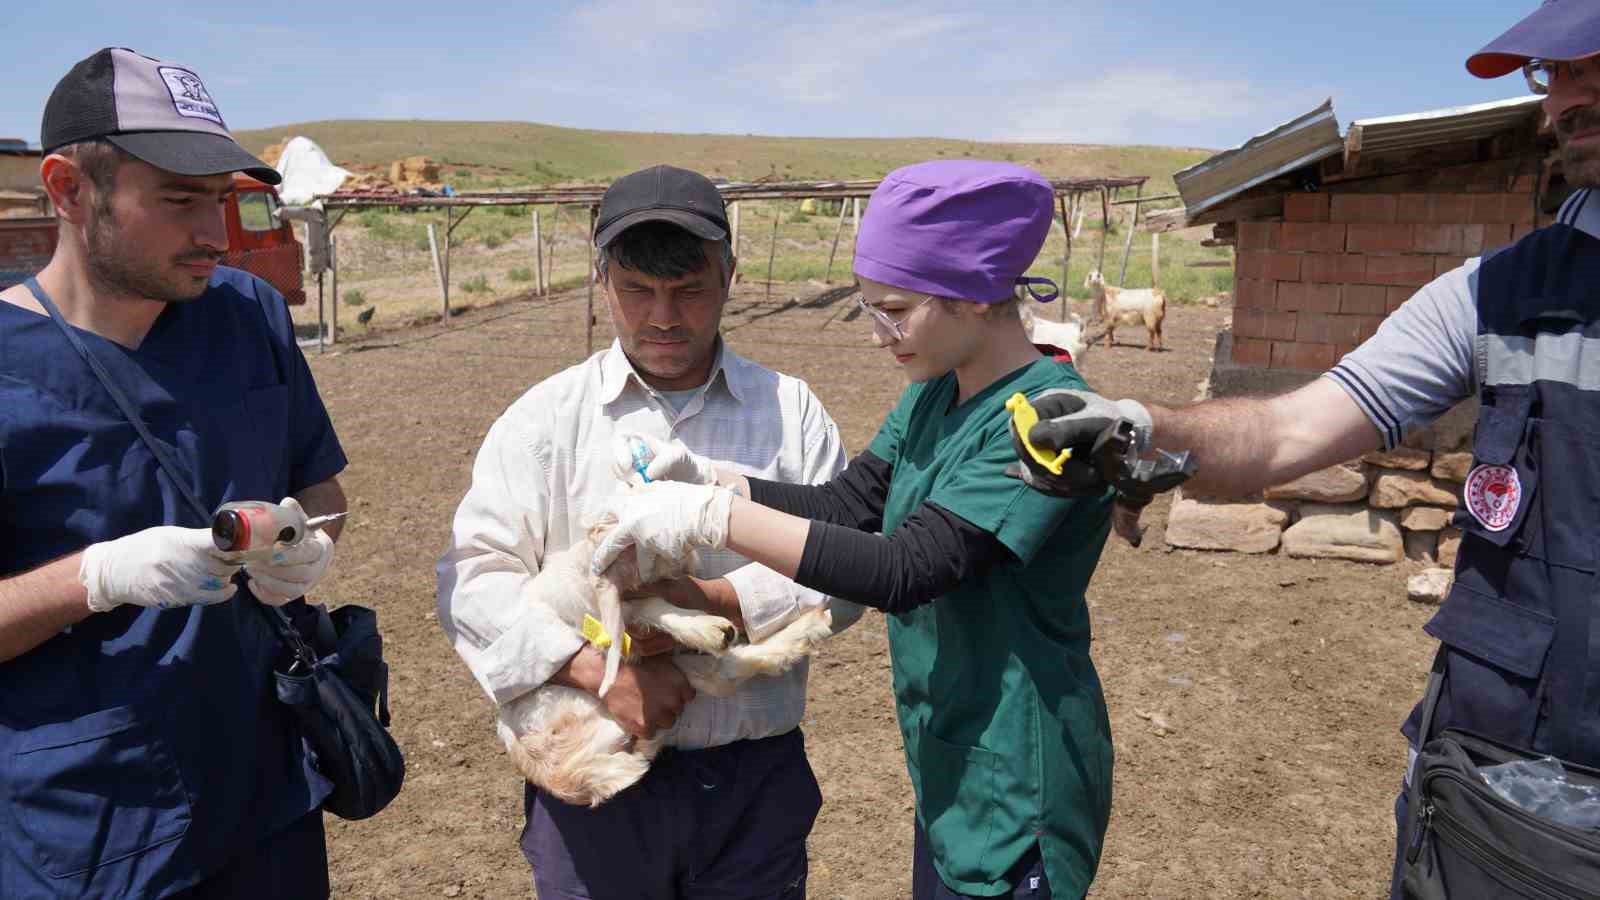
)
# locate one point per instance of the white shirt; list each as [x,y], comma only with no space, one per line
[544,471]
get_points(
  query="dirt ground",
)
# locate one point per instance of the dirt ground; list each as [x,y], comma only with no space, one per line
[1255,700]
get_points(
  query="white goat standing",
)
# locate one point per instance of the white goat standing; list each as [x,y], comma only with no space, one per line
[1066,335]
[563,739]
[1128,306]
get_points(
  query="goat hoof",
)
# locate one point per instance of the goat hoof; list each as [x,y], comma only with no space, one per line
[729,635]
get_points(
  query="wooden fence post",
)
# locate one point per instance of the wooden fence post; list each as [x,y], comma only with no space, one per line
[333,264]
[838,229]
[538,257]
[733,223]
[1066,251]
[1105,229]
[438,269]
[588,334]
[772,250]
[1127,245]
[449,226]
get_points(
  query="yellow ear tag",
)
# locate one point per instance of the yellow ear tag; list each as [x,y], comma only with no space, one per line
[595,633]
[1023,418]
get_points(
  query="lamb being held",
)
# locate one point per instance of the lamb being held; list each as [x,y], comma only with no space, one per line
[563,739]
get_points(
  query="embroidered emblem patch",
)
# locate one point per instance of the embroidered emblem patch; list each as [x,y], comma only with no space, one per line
[1492,495]
[189,97]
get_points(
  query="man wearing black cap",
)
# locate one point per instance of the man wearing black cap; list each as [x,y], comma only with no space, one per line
[1520,659]
[725,811]
[145,753]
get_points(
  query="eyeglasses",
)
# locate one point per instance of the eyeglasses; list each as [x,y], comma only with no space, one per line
[1541,72]
[882,318]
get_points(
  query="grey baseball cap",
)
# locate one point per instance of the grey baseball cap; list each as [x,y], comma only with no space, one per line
[158,111]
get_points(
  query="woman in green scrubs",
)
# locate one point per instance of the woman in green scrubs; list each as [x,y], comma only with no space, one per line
[1006,736]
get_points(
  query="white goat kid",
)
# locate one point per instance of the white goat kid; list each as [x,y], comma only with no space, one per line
[563,739]
[1066,335]
[1128,306]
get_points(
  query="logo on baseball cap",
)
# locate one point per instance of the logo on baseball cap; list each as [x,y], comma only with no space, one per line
[158,111]
[662,194]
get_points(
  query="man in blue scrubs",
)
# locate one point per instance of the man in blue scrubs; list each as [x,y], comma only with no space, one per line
[142,751]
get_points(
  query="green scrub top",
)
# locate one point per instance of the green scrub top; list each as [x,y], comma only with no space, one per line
[1006,736]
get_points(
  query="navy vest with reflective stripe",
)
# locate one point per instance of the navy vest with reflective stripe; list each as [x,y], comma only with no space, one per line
[1520,622]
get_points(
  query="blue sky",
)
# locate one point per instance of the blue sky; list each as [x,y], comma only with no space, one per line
[1081,71]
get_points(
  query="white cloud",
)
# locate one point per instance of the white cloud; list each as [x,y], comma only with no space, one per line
[609,26]
[1152,106]
[839,53]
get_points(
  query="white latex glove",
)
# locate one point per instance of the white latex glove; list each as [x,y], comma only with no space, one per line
[665,519]
[290,572]
[163,567]
[663,460]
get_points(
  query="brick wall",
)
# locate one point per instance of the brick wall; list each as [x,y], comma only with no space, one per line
[25,247]
[1309,288]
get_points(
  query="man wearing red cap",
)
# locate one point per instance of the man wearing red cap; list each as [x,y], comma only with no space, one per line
[1519,662]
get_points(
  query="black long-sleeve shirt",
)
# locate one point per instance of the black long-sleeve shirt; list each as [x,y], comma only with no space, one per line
[931,551]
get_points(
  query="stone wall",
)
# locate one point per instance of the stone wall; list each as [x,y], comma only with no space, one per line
[1382,508]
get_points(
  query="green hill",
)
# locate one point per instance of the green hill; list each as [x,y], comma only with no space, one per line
[521,154]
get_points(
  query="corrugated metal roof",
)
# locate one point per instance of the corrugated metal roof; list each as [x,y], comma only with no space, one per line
[1314,136]
[1439,126]
[1298,142]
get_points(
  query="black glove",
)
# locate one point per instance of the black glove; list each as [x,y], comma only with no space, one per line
[1106,438]
[1086,423]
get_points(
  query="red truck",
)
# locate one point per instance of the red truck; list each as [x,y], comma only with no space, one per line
[259,241]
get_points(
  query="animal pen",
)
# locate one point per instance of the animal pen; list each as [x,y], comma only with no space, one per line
[1073,195]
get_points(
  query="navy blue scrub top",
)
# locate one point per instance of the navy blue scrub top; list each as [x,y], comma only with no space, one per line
[142,749]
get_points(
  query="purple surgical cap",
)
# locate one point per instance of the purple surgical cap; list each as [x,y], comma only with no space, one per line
[963,229]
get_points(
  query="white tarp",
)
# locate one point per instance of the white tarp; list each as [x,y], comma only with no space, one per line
[307,172]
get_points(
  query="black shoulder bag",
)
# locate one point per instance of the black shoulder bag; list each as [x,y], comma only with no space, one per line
[335,681]
[1469,843]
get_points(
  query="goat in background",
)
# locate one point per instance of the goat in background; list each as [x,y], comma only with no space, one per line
[1128,306]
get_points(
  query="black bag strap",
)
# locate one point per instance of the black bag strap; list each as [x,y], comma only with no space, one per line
[169,463]
[1430,700]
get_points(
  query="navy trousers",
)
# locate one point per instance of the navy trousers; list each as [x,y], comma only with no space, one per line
[724,823]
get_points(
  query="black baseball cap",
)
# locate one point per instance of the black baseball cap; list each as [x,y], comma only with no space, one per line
[662,194]
[158,111]
[1559,30]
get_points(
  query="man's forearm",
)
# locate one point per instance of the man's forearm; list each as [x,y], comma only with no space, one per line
[36,605]
[1229,438]
[325,498]
[584,671]
[716,596]
[1244,445]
